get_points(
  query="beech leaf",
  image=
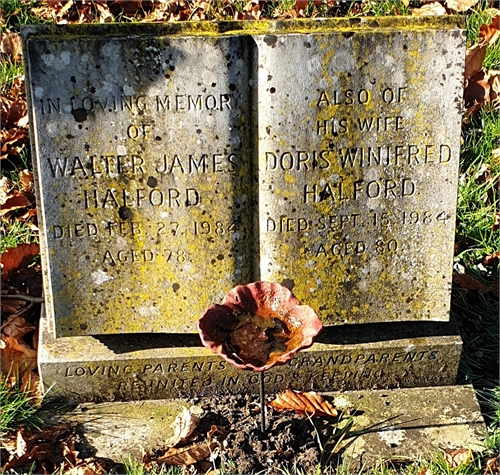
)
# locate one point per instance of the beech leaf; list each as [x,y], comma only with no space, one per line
[184,425]
[17,358]
[474,59]
[456,457]
[488,34]
[469,283]
[187,455]
[304,403]
[16,258]
[460,5]
[17,201]
[10,44]
[26,179]
[16,327]
[429,9]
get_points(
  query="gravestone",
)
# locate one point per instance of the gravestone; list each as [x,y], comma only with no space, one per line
[175,161]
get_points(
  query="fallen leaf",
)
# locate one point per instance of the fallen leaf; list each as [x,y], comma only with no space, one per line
[469,283]
[250,344]
[477,90]
[434,8]
[17,358]
[471,111]
[16,258]
[303,403]
[483,174]
[456,457]
[488,34]
[184,425]
[491,258]
[26,180]
[105,15]
[474,58]
[13,141]
[16,327]
[494,88]
[492,466]
[16,201]
[186,455]
[460,5]
[30,383]
[21,445]
[6,186]
[10,44]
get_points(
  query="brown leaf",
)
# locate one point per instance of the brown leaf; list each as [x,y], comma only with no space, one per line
[13,141]
[495,88]
[26,217]
[492,466]
[303,403]
[488,34]
[105,15]
[490,259]
[250,344]
[26,180]
[460,5]
[474,59]
[17,358]
[184,425]
[433,9]
[187,455]
[16,258]
[471,111]
[477,90]
[30,383]
[10,44]
[469,283]
[16,327]
[456,457]
[6,186]
[21,445]
[16,201]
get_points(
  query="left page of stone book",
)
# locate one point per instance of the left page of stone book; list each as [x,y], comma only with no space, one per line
[142,158]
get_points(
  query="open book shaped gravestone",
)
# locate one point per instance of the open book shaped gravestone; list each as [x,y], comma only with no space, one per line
[175,161]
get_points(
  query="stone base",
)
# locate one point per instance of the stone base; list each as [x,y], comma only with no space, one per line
[406,423]
[156,366]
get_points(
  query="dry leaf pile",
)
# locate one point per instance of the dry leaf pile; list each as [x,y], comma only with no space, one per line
[48,451]
[482,86]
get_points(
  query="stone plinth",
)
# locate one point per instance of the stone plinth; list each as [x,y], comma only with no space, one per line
[409,424]
[402,424]
[121,367]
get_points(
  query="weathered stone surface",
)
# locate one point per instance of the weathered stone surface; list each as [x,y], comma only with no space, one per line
[411,423]
[121,367]
[143,169]
[359,137]
[147,139]
[119,430]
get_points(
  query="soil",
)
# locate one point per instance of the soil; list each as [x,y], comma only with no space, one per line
[289,440]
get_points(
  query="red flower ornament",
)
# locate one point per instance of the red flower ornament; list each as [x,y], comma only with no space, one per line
[258,326]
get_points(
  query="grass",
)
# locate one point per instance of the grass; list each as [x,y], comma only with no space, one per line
[18,408]
[20,12]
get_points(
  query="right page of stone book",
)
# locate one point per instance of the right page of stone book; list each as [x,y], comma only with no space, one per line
[359,136]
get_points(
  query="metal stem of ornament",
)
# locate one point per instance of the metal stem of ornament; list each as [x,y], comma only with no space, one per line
[262,405]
